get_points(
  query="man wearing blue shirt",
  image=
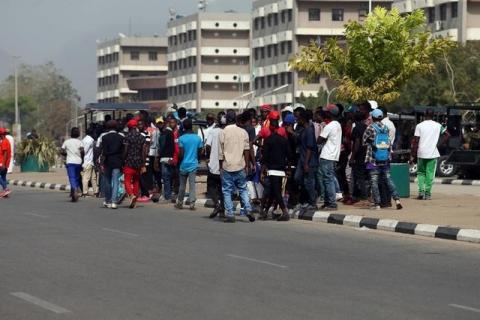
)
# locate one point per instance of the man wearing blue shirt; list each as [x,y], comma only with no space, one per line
[190,145]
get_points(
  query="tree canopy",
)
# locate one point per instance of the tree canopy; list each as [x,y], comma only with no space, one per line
[46,99]
[378,57]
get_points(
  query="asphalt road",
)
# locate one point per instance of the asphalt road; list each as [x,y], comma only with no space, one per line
[60,260]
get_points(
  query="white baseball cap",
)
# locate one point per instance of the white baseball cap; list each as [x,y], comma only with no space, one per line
[373,104]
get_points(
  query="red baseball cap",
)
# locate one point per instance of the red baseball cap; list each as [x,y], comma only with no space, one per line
[3,131]
[266,107]
[274,115]
[132,123]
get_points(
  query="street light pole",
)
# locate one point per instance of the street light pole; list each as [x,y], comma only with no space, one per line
[369,6]
[17,125]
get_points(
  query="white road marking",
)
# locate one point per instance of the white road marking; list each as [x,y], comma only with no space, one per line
[40,303]
[257,261]
[459,306]
[34,215]
[121,232]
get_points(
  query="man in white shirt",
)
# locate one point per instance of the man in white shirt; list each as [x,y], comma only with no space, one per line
[73,150]
[89,175]
[11,140]
[331,138]
[392,131]
[214,180]
[424,148]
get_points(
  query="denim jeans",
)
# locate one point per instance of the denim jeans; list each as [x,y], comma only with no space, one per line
[308,181]
[380,175]
[183,185]
[74,177]
[319,183]
[111,185]
[167,180]
[328,172]
[3,178]
[230,181]
[214,190]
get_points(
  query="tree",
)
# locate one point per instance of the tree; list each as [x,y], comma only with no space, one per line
[455,78]
[51,98]
[379,57]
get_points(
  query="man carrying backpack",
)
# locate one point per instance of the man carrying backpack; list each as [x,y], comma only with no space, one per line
[377,141]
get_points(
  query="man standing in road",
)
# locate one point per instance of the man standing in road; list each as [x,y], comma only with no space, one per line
[166,157]
[89,175]
[234,154]
[190,145]
[74,152]
[424,148]
[10,139]
[5,158]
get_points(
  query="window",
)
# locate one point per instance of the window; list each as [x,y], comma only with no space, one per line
[269,81]
[153,56]
[262,23]
[275,80]
[256,84]
[256,53]
[262,82]
[362,14]
[289,78]
[175,40]
[283,16]
[290,15]
[454,9]
[269,51]
[282,48]
[194,61]
[282,78]
[256,23]
[275,50]
[337,14]
[269,20]
[443,11]
[134,55]
[262,53]
[289,44]
[275,19]
[313,14]
[431,15]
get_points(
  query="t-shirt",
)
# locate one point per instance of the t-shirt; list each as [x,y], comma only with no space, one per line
[333,133]
[276,152]
[12,149]
[88,144]
[112,149]
[5,146]
[357,133]
[429,133]
[233,142]
[190,143]
[392,131]
[213,140]
[135,142]
[307,141]
[72,147]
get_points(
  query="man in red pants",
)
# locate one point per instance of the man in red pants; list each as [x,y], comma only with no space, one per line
[135,155]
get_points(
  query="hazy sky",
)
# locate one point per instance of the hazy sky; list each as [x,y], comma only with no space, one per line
[65,31]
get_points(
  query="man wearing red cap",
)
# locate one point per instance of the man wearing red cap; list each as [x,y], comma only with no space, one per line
[5,158]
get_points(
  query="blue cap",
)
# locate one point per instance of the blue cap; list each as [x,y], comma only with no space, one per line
[289,119]
[377,113]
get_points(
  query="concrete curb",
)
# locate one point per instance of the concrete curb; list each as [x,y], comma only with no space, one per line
[426,230]
[458,182]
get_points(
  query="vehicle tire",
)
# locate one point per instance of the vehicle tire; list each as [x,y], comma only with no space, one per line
[413,169]
[445,169]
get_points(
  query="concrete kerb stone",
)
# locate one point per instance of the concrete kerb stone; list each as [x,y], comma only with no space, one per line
[458,182]
[450,233]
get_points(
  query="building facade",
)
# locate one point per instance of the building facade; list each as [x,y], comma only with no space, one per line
[138,61]
[455,19]
[280,28]
[209,60]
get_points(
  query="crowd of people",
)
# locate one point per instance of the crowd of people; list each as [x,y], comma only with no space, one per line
[289,159]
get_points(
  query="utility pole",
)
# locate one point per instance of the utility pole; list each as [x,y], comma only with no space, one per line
[17,126]
[369,6]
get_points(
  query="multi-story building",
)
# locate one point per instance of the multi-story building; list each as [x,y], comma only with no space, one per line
[209,60]
[281,27]
[141,59]
[455,19]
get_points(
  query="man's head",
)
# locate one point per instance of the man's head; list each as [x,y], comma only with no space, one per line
[187,125]
[377,115]
[182,112]
[111,125]
[289,120]
[140,125]
[429,114]
[384,110]
[302,119]
[172,122]
[210,119]
[264,111]
[246,118]
[106,119]
[75,133]
[159,122]
[330,111]
[365,109]
[231,117]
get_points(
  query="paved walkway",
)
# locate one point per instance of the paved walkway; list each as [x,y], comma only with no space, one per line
[452,205]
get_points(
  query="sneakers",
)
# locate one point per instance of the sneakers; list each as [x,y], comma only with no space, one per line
[5,193]
[398,204]
[113,206]
[420,196]
[339,196]
[132,202]
[179,205]
[376,207]
[250,217]
[143,199]
[428,197]
[105,204]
